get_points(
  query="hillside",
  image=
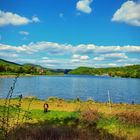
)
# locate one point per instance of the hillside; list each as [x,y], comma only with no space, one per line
[7,67]
[5,62]
[127,71]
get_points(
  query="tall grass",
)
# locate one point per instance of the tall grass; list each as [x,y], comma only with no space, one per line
[10,114]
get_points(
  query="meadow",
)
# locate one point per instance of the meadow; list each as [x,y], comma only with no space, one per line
[68,119]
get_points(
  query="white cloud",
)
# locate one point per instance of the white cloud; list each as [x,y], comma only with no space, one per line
[83,49]
[75,60]
[9,18]
[84,6]
[111,56]
[129,60]
[128,13]
[79,58]
[115,55]
[24,33]
[76,56]
[56,48]
[35,19]
[99,58]
[130,49]
[84,57]
[67,55]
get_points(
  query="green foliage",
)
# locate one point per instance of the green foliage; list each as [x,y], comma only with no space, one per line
[8,68]
[127,71]
[55,117]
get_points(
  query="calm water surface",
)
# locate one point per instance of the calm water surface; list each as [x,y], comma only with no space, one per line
[71,86]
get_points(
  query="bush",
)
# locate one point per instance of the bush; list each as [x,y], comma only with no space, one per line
[90,99]
[55,99]
[130,117]
[31,97]
[90,117]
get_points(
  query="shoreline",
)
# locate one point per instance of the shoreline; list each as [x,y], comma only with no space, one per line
[114,118]
[31,75]
[24,75]
[73,100]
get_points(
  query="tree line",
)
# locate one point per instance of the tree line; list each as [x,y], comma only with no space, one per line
[132,71]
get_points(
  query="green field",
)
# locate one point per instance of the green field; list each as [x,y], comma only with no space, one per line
[70,119]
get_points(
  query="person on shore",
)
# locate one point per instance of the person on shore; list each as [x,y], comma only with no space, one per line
[20,96]
[78,98]
[46,106]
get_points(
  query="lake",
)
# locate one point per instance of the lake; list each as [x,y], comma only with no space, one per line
[71,86]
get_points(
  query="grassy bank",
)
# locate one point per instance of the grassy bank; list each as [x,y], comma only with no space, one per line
[71,119]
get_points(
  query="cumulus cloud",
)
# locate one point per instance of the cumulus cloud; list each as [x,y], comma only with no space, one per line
[128,13]
[9,18]
[79,58]
[84,6]
[116,55]
[84,57]
[67,55]
[24,33]
[111,56]
[98,58]
[83,49]
[129,60]
[76,56]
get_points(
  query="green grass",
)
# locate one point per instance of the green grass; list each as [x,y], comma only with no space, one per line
[55,117]
[113,126]
[79,115]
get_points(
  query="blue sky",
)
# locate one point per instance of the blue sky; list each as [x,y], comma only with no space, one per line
[70,33]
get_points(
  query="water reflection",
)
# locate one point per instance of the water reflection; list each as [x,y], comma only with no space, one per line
[69,87]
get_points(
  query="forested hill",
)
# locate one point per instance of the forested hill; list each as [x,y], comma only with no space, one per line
[127,71]
[7,67]
[5,62]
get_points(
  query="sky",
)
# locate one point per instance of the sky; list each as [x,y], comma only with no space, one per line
[70,33]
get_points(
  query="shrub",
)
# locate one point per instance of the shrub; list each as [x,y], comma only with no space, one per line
[55,99]
[130,117]
[90,99]
[90,117]
[31,97]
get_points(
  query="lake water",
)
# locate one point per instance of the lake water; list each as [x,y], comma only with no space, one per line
[71,86]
